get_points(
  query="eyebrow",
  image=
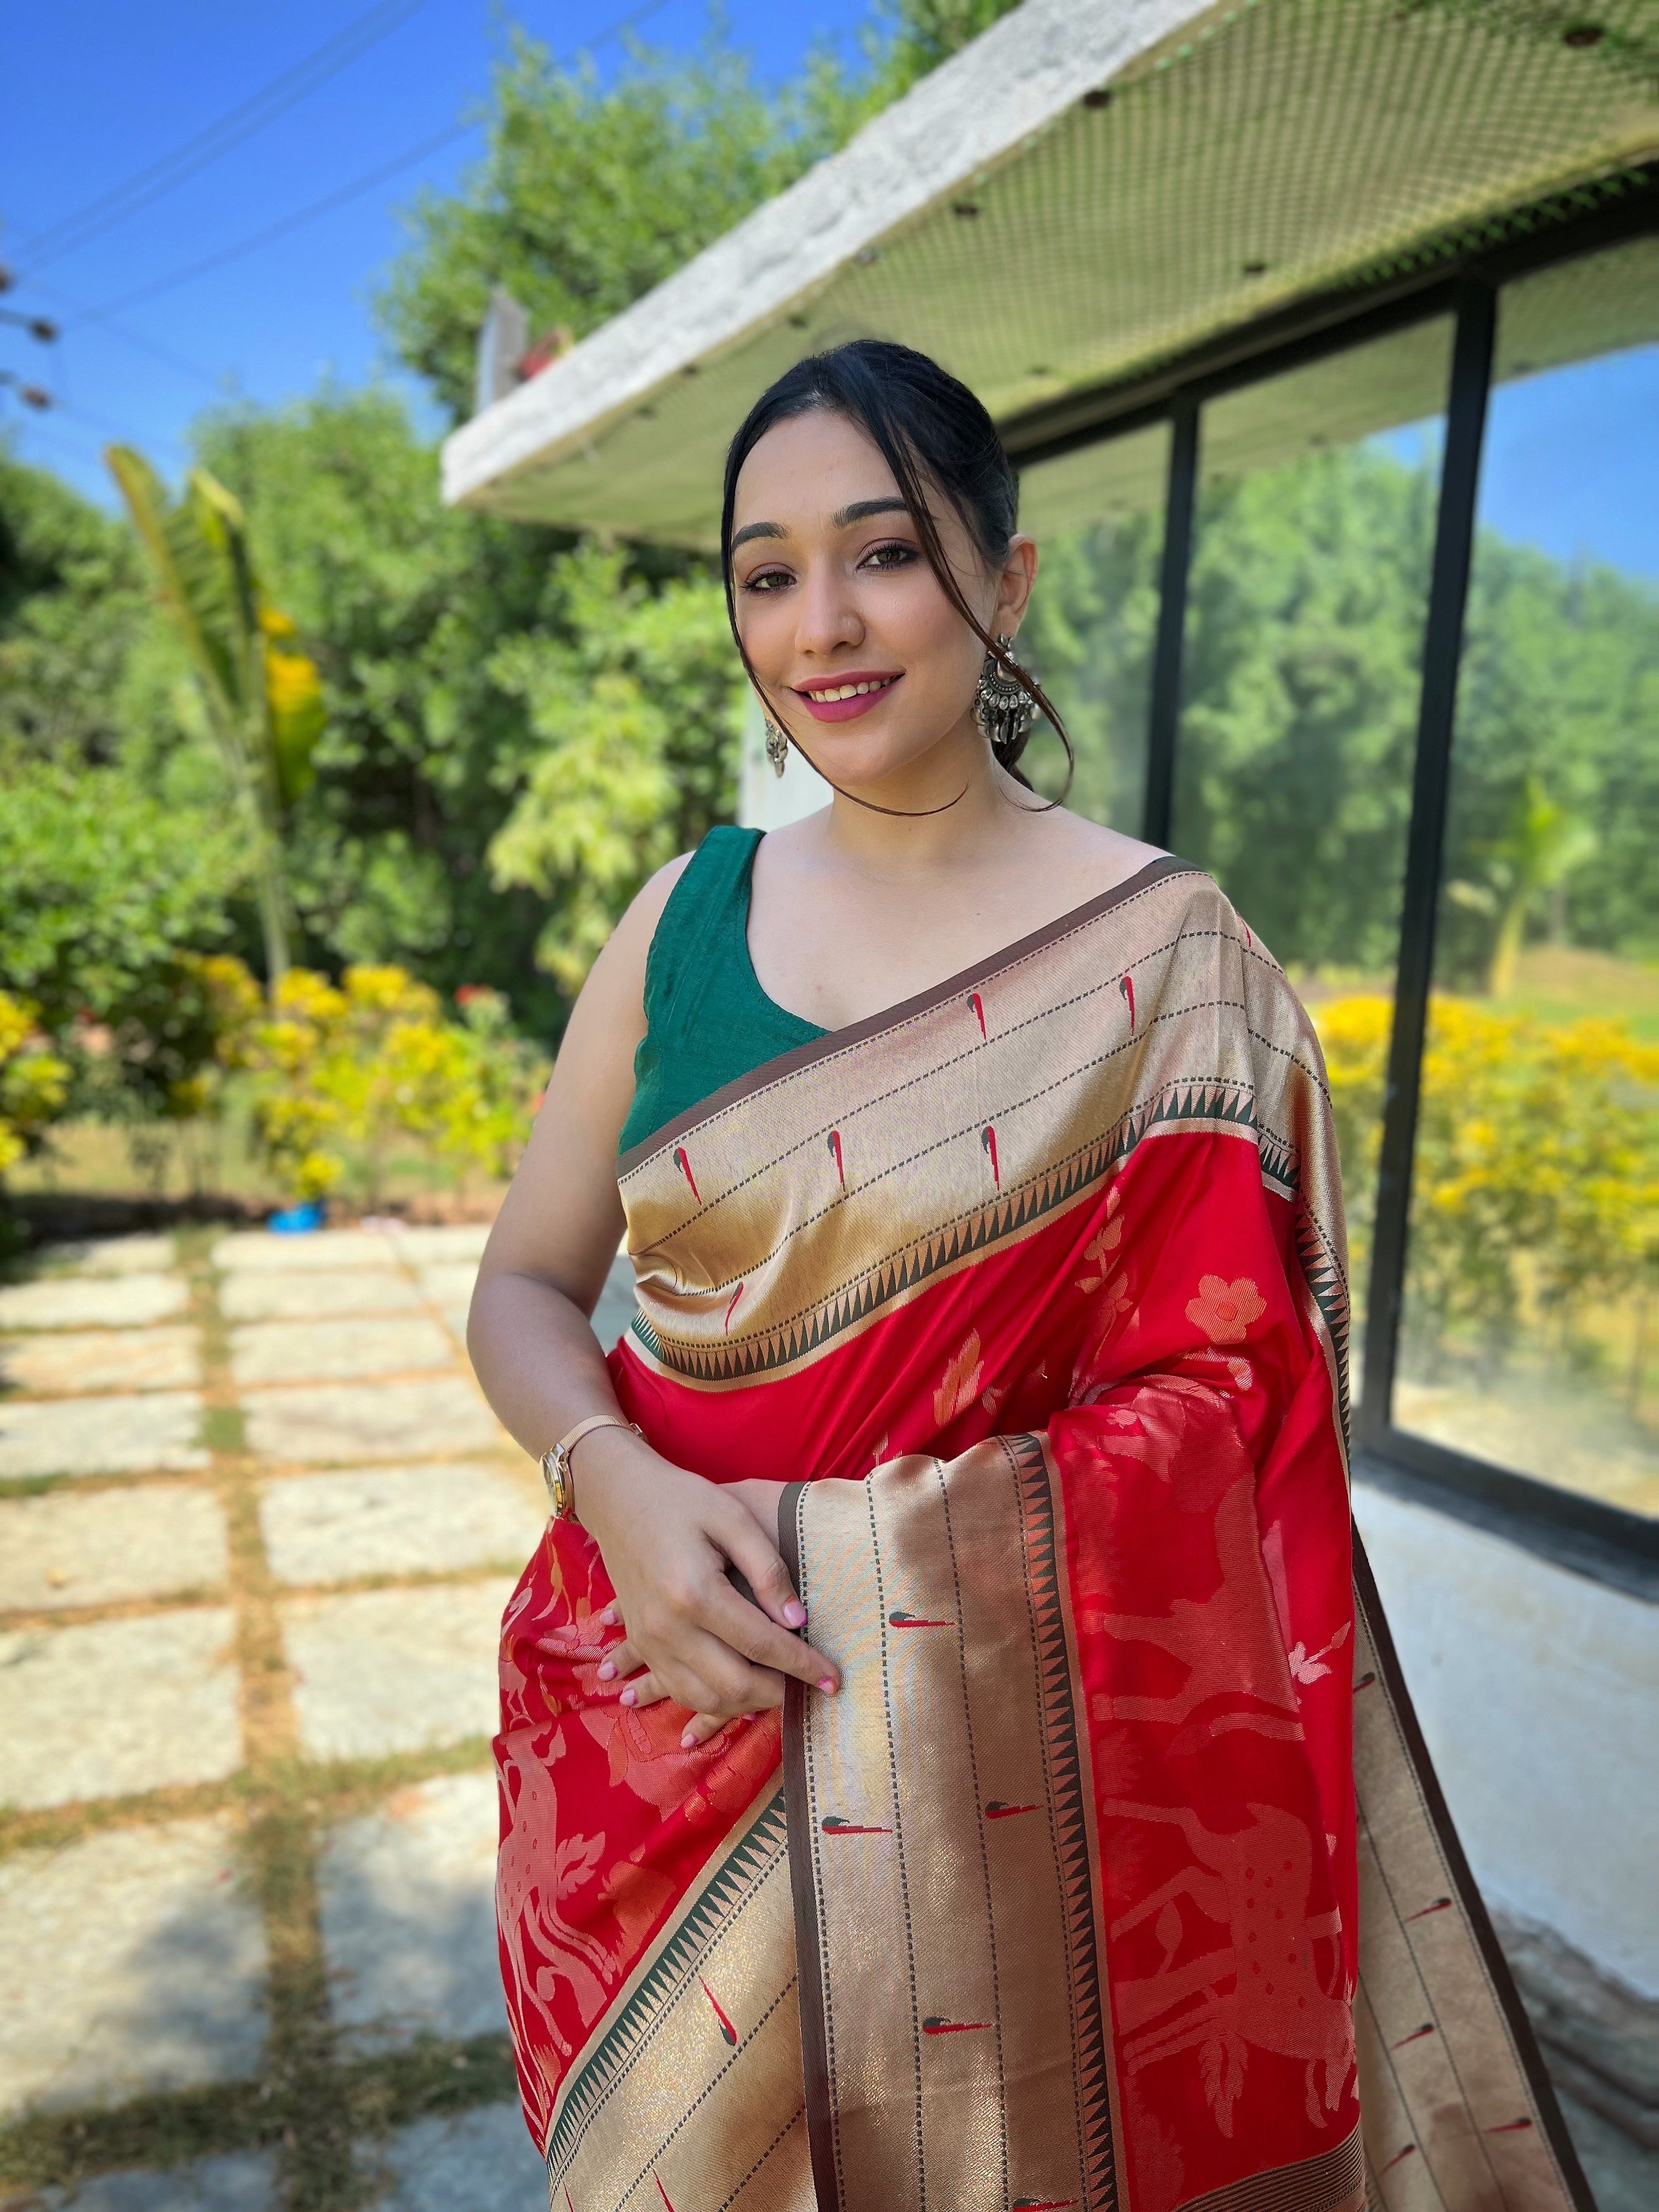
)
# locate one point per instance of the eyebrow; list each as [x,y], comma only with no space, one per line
[842,519]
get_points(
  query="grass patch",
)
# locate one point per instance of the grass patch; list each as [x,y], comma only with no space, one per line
[313,2100]
[223,1430]
[370,2096]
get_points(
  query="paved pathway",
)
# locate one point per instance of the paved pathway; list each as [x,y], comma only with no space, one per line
[257,1526]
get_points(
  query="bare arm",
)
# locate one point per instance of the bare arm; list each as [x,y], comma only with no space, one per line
[666,1535]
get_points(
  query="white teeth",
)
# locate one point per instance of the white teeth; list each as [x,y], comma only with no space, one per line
[853,690]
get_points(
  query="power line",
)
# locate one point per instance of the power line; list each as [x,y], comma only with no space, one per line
[240,122]
[277,230]
[339,198]
[177,363]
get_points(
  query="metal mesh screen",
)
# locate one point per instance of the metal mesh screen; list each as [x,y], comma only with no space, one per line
[1276,147]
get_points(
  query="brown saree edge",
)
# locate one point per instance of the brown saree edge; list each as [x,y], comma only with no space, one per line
[814,2048]
[834,1041]
[1468,1893]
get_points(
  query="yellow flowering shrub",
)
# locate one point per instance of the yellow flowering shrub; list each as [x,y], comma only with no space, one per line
[1536,1180]
[33,1081]
[340,1072]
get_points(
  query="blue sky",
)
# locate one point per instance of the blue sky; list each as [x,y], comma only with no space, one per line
[98,89]
[1571,460]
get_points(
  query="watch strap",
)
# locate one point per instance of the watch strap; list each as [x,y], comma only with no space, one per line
[555,1464]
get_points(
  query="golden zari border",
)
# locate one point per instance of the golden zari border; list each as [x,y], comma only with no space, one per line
[798,1207]
[1458,2110]
[954,2025]
[689,2091]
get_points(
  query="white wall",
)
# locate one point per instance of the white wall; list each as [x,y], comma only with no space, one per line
[1538,1691]
[767,800]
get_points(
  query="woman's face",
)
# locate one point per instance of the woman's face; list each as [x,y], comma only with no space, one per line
[832,590]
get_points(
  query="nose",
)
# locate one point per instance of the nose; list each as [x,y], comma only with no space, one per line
[827,614]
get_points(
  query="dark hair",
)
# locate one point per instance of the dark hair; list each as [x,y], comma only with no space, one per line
[930,429]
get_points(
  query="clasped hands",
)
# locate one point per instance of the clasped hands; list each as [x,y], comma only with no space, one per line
[667,1538]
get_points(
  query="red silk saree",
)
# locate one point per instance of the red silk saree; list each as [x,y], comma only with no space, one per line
[1115,1875]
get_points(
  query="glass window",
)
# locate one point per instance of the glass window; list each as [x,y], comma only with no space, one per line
[1530,1335]
[1097,517]
[1313,543]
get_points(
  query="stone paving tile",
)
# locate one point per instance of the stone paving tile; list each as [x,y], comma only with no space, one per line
[111,1708]
[111,1255]
[478,2161]
[135,1962]
[298,1295]
[407,1898]
[239,2181]
[378,1671]
[449,1284]
[69,1550]
[347,1421]
[102,1436]
[1623,2174]
[67,1360]
[309,1351]
[617,1303]
[91,1302]
[423,1247]
[264,1250]
[398,1521]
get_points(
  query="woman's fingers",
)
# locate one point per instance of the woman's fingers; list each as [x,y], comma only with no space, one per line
[700,1727]
[772,1590]
[621,1660]
[763,1695]
[744,1626]
[761,1642]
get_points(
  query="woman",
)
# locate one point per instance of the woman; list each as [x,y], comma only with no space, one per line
[928,1747]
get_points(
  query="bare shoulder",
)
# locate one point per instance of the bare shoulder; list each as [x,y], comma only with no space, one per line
[1092,858]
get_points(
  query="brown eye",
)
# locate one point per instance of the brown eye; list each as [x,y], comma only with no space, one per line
[768,579]
[897,555]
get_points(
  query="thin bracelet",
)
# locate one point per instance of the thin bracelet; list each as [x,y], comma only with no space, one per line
[555,1464]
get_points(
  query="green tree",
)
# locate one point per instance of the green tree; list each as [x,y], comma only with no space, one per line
[259,691]
[590,193]
[73,605]
[636,700]
[109,890]
[1558,720]
[518,728]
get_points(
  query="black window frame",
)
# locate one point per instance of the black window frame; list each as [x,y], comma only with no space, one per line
[1578,1532]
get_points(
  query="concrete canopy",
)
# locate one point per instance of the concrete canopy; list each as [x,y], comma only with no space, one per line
[1088,192]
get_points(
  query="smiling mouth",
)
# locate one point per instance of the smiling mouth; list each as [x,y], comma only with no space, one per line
[838,702]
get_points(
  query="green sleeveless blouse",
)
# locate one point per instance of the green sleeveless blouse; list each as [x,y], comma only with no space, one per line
[707,1021]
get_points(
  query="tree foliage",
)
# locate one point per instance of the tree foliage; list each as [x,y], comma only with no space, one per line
[72,605]
[1300,692]
[590,192]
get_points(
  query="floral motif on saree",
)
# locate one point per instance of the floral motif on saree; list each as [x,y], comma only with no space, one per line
[1115,1877]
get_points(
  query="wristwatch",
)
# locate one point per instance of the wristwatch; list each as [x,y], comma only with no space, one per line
[555,1464]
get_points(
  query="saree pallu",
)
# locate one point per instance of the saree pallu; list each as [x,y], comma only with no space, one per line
[1115,1875]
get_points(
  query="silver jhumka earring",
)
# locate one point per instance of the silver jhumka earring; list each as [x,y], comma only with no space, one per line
[1001,707]
[777,746]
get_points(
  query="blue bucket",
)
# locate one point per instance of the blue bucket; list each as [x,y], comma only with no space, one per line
[296,1220]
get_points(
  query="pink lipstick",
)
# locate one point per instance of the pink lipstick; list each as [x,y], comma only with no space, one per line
[840,698]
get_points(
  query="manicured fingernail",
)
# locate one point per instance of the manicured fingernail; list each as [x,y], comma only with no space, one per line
[630,1698]
[608,1671]
[795,1614]
[827,1686]
[689,1741]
